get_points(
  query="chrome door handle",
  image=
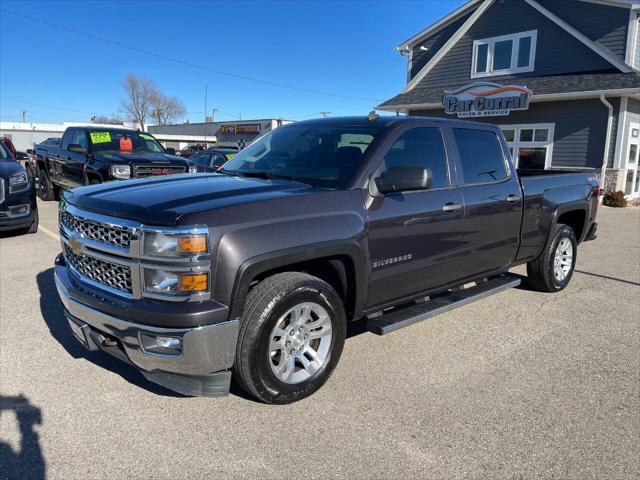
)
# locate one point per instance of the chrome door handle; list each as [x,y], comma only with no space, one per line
[513,198]
[451,207]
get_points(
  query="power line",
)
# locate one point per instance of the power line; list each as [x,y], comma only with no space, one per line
[184,62]
[53,107]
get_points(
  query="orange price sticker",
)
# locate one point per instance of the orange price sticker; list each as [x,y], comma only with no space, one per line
[126,144]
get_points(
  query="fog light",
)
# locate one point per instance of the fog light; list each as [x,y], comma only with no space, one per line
[161,345]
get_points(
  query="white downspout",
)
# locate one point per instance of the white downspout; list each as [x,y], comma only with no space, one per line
[607,143]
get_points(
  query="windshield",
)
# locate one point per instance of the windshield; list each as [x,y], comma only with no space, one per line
[123,141]
[322,156]
[4,153]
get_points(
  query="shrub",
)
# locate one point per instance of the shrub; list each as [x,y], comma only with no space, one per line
[614,199]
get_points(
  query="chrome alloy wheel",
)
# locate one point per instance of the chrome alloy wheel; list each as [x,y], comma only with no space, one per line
[300,343]
[563,259]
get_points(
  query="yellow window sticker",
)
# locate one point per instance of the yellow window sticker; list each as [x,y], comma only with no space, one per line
[231,155]
[100,137]
[145,136]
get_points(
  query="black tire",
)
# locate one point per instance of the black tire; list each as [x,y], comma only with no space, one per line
[46,190]
[540,271]
[266,304]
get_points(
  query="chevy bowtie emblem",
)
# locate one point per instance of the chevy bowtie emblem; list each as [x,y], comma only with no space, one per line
[75,244]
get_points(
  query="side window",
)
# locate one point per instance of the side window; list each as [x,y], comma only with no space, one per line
[218,160]
[80,138]
[201,159]
[67,138]
[480,156]
[420,147]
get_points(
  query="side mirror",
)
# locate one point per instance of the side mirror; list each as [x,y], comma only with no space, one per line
[171,151]
[22,156]
[30,151]
[404,179]
[74,147]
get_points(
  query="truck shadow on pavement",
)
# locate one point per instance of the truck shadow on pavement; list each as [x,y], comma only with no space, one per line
[53,314]
[28,462]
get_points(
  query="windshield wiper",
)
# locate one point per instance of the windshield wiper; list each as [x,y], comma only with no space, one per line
[266,175]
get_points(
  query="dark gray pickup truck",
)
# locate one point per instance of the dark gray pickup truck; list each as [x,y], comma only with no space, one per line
[256,270]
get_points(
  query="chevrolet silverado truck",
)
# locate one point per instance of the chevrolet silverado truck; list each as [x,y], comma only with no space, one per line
[92,155]
[255,271]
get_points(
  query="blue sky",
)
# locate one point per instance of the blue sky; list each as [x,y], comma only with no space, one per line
[346,48]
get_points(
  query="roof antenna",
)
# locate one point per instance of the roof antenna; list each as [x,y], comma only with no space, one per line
[373,116]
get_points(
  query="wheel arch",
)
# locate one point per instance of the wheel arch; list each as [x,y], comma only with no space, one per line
[575,215]
[341,265]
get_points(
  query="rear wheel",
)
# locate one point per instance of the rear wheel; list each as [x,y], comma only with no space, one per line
[553,269]
[291,337]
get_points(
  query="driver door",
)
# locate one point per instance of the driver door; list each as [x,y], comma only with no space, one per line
[414,237]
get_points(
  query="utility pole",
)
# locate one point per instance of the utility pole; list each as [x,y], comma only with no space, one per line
[24,116]
[205,113]
[325,114]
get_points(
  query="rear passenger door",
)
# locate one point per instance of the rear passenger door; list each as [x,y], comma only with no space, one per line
[414,236]
[492,200]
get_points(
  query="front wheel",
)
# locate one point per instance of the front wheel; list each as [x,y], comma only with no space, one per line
[553,269]
[291,337]
[46,190]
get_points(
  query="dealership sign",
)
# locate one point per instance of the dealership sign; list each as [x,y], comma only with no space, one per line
[484,99]
[243,128]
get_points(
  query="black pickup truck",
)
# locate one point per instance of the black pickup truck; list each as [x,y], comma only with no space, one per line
[255,270]
[91,155]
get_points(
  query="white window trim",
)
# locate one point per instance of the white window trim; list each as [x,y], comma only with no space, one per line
[515,38]
[516,144]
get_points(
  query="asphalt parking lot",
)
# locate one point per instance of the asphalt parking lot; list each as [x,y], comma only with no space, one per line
[518,385]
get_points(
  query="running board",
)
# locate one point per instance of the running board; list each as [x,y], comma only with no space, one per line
[403,317]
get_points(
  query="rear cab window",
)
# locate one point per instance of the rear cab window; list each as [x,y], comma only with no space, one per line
[481,156]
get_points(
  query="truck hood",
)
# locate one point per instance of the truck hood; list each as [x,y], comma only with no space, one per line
[9,167]
[164,200]
[140,158]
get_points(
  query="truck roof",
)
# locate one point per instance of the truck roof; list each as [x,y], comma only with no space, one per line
[389,120]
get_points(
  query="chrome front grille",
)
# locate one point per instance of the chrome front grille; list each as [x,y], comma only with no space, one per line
[100,232]
[1,190]
[142,171]
[107,252]
[112,275]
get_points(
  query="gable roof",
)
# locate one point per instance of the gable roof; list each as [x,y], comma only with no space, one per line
[594,46]
[553,87]
[439,25]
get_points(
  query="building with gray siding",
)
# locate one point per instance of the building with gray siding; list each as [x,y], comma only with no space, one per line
[577,61]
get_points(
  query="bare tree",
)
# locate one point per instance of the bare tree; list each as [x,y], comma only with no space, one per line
[165,109]
[139,92]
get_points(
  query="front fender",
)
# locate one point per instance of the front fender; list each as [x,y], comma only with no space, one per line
[247,252]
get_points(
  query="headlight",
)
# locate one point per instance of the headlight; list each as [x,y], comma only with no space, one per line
[120,171]
[193,169]
[18,182]
[175,283]
[174,244]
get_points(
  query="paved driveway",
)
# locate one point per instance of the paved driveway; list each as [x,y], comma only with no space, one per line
[519,385]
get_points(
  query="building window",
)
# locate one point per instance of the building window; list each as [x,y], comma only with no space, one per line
[506,54]
[530,145]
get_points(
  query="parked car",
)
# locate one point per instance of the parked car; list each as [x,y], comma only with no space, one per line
[255,270]
[212,159]
[92,155]
[51,141]
[190,150]
[18,207]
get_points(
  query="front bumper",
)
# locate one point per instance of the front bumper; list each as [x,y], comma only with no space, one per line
[11,215]
[201,369]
